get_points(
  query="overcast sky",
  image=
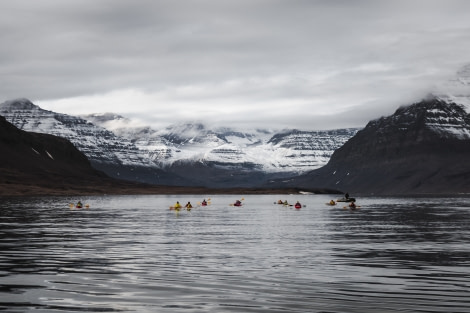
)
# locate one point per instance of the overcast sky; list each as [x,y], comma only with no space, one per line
[280,64]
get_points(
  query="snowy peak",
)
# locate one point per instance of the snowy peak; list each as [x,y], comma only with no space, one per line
[449,120]
[302,140]
[19,104]
[97,143]
[446,119]
[421,149]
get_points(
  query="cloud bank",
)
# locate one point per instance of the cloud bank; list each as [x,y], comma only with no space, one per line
[267,63]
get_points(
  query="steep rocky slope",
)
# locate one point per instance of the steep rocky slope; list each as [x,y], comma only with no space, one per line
[114,155]
[422,148]
[33,163]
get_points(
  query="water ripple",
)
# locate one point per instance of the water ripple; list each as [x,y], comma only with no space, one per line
[131,254]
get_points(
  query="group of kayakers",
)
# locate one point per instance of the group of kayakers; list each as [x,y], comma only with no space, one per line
[297,205]
[352,203]
[177,206]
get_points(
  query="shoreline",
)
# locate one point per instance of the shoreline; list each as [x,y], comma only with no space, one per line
[21,190]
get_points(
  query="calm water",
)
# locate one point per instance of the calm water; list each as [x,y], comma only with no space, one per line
[132,254]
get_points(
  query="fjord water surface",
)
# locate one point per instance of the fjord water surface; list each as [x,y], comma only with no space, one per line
[132,254]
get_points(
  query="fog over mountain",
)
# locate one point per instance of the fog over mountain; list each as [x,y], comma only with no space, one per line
[307,65]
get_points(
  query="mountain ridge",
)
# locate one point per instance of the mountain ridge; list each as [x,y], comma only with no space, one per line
[205,152]
[169,156]
[422,148]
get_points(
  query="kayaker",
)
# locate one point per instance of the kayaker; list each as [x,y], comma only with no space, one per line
[332,202]
[188,205]
[298,205]
[346,195]
[352,205]
[279,202]
[238,203]
[177,205]
[79,204]
[286,203]
[204,202]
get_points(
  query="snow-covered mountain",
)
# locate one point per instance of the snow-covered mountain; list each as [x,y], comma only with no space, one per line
[194,154]
[114,155]
[269,151]
[184,154]
[423,148]
[98,143]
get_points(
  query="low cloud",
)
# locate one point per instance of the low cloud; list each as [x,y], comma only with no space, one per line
[294,64]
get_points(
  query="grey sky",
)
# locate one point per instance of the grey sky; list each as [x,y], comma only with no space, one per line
[297,64]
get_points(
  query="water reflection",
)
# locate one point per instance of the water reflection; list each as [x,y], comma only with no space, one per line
[133,254]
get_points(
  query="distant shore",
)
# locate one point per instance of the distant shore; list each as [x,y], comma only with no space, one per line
[124,188]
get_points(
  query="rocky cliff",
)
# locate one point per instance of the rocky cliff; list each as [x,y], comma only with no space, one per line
[33,163]
[423,148]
